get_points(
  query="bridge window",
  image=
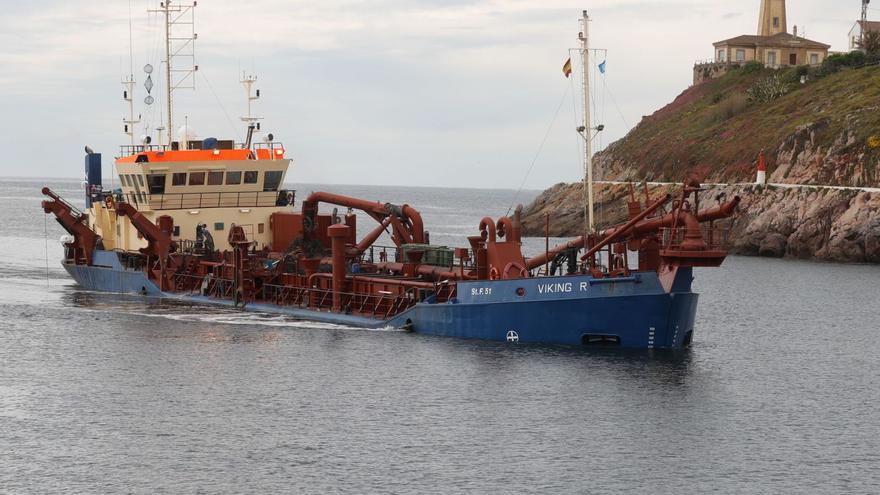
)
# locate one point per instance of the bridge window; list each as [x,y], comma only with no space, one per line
[157,183]
[233,178]
[215,178]
[271,180]
[251,177]
[178,179]
[197,178]
[140,179]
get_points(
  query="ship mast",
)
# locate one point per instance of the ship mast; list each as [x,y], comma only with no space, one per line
[128,96]
[128,84]
[252,121]
[177,45]
[168,88]
[586,130]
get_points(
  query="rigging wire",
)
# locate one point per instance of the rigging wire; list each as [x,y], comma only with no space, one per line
[616,106]
[130,43]
[603,110]
[540,148]
[235,130]
[574,117]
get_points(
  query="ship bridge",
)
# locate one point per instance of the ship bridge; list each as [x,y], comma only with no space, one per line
[208,174]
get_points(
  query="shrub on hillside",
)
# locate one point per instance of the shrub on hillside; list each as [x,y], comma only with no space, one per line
[751,66]
[871,43]
[728,108]
[852,59]
[834,63]
[793,76]
[768,89]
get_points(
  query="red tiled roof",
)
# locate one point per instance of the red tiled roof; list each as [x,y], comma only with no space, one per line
[781,39]
[871,25]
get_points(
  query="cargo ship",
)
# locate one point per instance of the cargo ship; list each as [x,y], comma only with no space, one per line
[209,221]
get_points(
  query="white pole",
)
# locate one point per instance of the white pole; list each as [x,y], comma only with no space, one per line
[588,143]
[169,92]
[128,83]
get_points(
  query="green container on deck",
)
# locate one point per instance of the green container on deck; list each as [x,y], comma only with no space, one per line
[434,255]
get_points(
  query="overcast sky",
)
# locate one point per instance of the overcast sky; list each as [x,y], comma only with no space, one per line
[421,92]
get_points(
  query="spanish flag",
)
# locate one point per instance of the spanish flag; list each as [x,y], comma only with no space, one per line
[566,69]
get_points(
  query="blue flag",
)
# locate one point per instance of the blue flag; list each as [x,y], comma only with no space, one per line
[602,67]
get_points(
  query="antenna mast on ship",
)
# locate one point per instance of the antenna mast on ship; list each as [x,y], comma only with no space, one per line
[586,129]
[128,83]
[128,96]
[252,121]
[179,43]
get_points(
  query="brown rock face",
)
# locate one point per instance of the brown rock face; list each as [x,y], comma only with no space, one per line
[825,132]
[818,224]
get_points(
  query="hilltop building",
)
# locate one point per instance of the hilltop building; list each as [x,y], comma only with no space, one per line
[855,34]
[773,46]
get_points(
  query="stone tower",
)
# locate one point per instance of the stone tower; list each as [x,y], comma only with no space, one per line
[772,21]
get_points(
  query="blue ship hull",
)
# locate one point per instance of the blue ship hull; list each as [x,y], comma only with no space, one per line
[632,312]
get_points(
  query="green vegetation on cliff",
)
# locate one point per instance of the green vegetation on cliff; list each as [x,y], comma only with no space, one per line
[822,132]
[716,129]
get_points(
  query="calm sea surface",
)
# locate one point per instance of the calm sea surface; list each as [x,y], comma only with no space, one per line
[115,394]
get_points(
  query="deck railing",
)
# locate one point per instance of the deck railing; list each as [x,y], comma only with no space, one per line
[184,201]
[132,149]
[379,306]
[716,238]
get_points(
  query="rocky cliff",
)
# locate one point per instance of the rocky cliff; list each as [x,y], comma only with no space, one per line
[822,132]
[806,223]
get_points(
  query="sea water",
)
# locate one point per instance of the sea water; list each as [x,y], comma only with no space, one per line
[120,394]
